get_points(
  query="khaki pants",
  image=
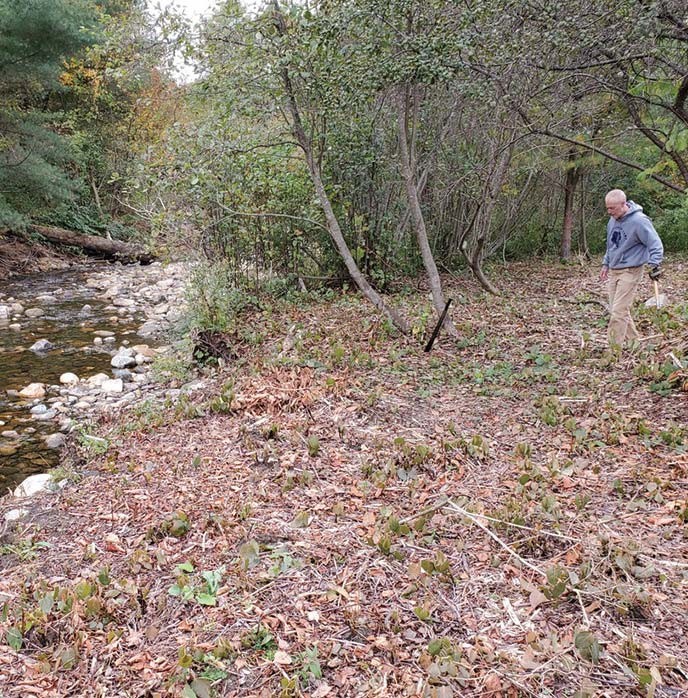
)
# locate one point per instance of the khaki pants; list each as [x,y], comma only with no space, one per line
[622,285]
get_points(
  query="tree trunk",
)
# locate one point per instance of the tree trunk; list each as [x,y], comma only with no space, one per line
[570,184]
[407,163]
[93,245]
[333,226]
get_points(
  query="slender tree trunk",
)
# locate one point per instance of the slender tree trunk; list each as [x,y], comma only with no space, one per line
[407,163]
[332,223]
[570,184]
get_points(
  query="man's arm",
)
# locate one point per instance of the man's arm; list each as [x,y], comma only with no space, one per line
[650,238]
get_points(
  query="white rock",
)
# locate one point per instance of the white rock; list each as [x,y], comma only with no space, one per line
[33,390]
[34,312]
[41,345]
[34,484]
[10,434]
[103,333]
[69,379]
[17,308]
[98,341]
[109,340]
[112,386]
[5,312]
[98,380]
[15,327]
[44,416]
[16,514]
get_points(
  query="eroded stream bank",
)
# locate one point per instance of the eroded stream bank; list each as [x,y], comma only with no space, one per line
[71,343]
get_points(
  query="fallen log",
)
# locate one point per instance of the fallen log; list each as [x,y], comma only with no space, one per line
[93,245]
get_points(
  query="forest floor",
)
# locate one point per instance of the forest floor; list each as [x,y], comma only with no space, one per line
[338,513]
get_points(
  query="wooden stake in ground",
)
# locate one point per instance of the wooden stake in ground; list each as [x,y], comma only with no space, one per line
[439,324]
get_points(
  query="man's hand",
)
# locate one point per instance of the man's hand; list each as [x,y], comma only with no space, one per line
[655,273]
[604,273]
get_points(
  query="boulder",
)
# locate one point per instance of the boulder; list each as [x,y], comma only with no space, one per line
[122,361]
[33,390]
[35,484]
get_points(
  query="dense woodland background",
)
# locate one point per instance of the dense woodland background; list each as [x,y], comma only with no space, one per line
[318,142]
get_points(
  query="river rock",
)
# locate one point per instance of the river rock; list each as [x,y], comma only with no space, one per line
[122,361]
[69,379]
[10,434]
[109,340]
[44,416]
[55,440]
[86,309]
[15,327]
[33,390]
[103,333]
[42,345]
[7,450]
[98,380]
[112,386]
[123,302]
[34,484]
[17,308]
[149,328]
[97,341]
[5,312]
[34,312]
[38,409]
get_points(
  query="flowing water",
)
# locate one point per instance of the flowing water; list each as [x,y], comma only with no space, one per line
[70,328]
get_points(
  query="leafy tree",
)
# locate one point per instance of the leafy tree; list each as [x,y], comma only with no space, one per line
[35,38]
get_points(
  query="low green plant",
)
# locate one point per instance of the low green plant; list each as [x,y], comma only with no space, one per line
[260,639]
[189,590]
[25,549]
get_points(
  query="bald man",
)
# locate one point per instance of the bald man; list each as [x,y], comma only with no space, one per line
[632,242]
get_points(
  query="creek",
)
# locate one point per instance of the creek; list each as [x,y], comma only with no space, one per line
[75,312]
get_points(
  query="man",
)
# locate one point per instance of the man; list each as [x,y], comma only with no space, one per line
[632,242]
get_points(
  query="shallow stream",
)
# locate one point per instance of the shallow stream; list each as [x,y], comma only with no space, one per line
[70,327]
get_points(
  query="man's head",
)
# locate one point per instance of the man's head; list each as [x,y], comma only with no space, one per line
[615,201]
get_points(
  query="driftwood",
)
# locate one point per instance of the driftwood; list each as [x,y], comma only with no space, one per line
[94,245]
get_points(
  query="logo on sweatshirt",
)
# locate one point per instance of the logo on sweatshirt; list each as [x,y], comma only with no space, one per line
[618,236]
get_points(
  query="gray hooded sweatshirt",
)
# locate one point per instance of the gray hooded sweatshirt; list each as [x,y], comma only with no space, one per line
[632,241]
